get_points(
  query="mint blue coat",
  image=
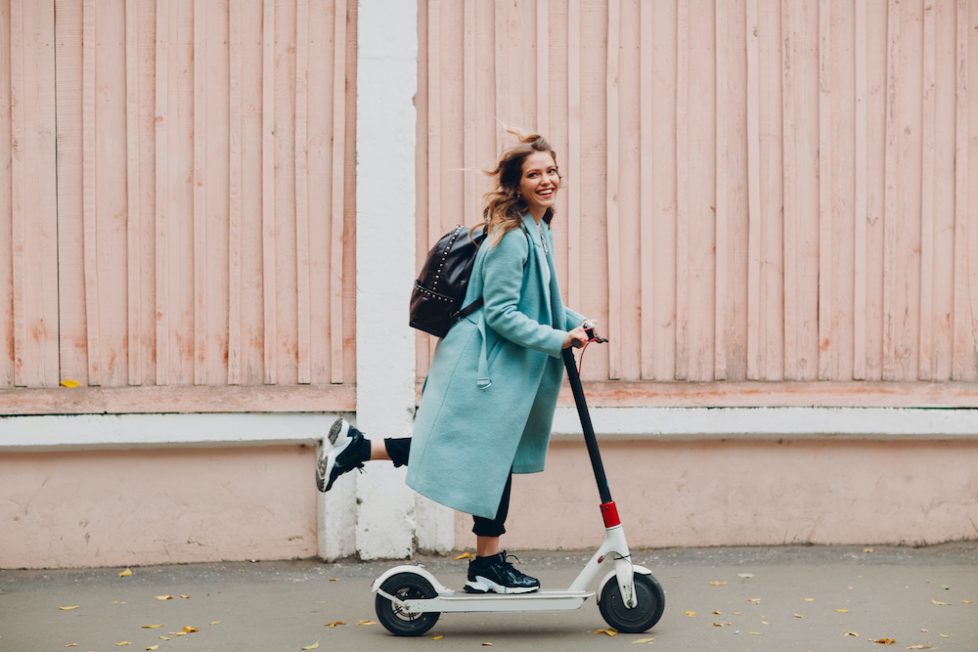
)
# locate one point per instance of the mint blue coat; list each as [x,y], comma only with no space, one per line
[488,402]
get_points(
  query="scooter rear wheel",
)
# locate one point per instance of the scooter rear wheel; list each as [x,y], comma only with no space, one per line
[405,586]
[642,617]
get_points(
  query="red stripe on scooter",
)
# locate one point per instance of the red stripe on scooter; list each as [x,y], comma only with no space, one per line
[610,514]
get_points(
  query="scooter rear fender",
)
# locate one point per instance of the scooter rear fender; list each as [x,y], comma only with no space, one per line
[420,571]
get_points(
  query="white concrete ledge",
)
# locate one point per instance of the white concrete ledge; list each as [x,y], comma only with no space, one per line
[26,433]
[771,423]
[94,431]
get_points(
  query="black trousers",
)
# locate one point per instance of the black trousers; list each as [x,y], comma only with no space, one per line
[399,451]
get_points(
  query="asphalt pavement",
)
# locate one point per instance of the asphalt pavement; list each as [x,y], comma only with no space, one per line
[780,599]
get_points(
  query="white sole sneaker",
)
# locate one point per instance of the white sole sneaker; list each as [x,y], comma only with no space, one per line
[485,585]
[336,442]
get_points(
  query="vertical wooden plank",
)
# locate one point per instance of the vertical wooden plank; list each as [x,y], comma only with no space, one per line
[89,192]
[613,191]
[470,160]
[890,198]
[269,239]
[542,46]
[302,192]
[200,195]
[859,309]
[235,181]
[433,137]
[963,350]
[664,159]
[754,219]
[134,223]
[17,174]
[800,82]
[648,216]
[6,245]
[162,193]
[825,167]
[339,195]
[574,201]
[723,208]
[72,328]
[682,194]
[925,369]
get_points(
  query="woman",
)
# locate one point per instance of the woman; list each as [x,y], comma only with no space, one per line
[488,402]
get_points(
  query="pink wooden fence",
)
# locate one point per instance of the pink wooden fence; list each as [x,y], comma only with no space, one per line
[756,190]
[176,201]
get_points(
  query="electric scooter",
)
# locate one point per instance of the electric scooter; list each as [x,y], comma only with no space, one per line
[410,599]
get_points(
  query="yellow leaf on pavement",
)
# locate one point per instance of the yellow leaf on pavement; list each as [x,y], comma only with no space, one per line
[809,599]
[311,646]
[153,647]
[334,624]
[607,631]
[151,626]
[71,644]
[464,555]
[165,596]
[126,573]
[689,614]
[841,611]
[437,638]
[215,622]
[919,646]
[366,622]
[70,383]
[884,641]
[643,640]
[190,630]
[940,603]
[69,607]
[123,643]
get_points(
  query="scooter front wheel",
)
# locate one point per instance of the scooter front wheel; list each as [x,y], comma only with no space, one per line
[398,621]
[643,616]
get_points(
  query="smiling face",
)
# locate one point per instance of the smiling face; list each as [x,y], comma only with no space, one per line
[539,183]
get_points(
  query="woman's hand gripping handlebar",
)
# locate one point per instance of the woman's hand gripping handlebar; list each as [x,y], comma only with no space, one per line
[581,336]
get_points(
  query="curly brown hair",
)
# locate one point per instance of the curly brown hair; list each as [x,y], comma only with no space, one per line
[504,207]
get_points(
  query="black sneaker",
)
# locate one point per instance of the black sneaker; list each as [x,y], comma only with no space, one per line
[496,575]
[345,449]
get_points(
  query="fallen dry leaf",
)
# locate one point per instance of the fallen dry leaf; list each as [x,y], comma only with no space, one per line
[71,644]
[69,607]
[689,614]
[153,647]
[334,624]
[190,630]
[797,615]
[126,573]
[437,637]
[885,641]
[718,583]
[919,646]
[366,622]
[967,601]
[486,644]
[334,579]
[165,596]
[940,603]
[643,640]
[841,611]
[123,643]
[944,635]
[853,634]
[151,626]
[184,596]
[215,622]
[164,638]
[70,383]
[464,555]
[745,576]
[311,646]
[607,631]
[809,599]
[754,600]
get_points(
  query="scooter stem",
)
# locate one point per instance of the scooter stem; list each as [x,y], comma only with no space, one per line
[589,437]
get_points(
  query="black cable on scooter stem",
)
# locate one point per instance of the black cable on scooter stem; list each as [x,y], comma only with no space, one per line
[574,378]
